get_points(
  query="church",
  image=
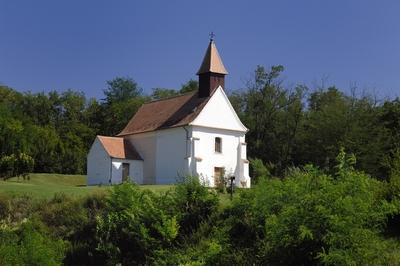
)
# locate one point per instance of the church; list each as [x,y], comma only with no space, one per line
[197,133]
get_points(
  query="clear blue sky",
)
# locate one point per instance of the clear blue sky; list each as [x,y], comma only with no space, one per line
[75,44]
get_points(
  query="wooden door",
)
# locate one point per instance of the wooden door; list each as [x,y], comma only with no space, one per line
[218,175]
[125,172]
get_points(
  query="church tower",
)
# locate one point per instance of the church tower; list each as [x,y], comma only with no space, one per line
[212,71]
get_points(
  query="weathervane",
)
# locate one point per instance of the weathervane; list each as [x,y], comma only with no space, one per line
[212,35]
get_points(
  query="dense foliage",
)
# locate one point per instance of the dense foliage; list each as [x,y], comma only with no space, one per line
[55,130]
[307,218]
[295,126]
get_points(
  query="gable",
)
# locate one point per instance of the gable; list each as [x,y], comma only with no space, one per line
[97,149]
[219,113]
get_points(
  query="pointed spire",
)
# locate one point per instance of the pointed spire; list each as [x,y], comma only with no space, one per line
[212,61]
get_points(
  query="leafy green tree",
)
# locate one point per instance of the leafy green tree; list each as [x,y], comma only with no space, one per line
[260,170]
[189,86]
[25,164]
[8,165]
[12,137]
[46,148]
[161,93]
[121,89]
[123,99]
[16,165]
[273,115]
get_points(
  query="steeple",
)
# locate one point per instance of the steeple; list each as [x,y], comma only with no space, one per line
[212,71]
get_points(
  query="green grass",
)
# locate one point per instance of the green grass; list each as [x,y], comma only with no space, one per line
[46,185]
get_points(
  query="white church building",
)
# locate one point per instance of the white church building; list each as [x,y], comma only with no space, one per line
[198,133]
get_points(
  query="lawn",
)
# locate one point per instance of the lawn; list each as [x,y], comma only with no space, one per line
[46,185]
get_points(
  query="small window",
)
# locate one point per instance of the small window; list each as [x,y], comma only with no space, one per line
[218,144]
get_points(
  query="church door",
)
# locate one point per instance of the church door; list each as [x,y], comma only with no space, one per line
[125,172]
[218,175]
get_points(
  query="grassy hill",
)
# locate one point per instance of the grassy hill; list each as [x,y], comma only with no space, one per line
[46,185]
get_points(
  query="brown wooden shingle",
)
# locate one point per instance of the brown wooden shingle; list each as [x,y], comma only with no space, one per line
[167,113]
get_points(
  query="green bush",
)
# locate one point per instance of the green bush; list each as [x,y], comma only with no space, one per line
[313,218]
[16,165]
[133,227]
[5,207]
[194,203]
[83,244]
[29,244]
[64,215]
[260,171]
[8,166]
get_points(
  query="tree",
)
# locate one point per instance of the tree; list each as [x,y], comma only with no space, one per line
[123,99]
[121,89]
[161,93]
[189,86]
[16,165]
[273,115]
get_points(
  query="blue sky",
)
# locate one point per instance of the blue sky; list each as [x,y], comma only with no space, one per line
[75,44]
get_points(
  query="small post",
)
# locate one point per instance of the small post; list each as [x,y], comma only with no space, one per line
[232,178]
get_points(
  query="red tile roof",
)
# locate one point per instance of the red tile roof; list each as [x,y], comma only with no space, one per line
[166,113]
[119,148]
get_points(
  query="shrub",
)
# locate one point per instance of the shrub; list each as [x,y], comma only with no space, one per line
[5,207]
[260,170]
[29,244]
[64,215]
[134,227]
[16,165]
[315,218]
[194,203]
[8,166]
[82,250]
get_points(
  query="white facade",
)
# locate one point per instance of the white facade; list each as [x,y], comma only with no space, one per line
[218,119]
[163,153]
[232,157]
[98,165]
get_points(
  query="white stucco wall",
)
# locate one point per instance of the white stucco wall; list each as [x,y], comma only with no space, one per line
[135,170]
[98,165]
[146,146]
[171,162]
[231,157]
[163,153]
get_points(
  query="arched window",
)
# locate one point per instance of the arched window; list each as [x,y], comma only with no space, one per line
[218,145]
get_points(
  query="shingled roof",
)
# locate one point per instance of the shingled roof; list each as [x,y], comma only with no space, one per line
[167,113]
[212,61]
[119,148]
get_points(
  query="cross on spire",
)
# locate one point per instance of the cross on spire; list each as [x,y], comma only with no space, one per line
[212,35]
